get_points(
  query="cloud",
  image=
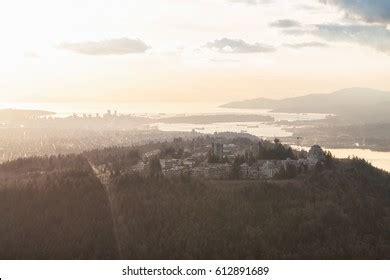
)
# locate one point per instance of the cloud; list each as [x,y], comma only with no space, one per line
[307,7]
[251,2]
[224,60]
[307,45]
[226,45]
[119,46]
[30,54]
[374,36]
[295,31]
[377,37]
[285,23]
[367,10]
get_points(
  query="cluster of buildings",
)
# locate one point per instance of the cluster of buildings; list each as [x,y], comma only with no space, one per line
[267,169]
[198,166]
[215,171]
[27,142]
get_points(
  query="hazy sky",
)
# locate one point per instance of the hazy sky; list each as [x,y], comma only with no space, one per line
[190,50]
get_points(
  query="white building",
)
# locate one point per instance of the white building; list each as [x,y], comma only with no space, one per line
[271,168]
[315,155]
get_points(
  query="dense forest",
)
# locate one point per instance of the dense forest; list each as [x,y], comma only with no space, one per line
[329,214]
[59,208]
[54,208]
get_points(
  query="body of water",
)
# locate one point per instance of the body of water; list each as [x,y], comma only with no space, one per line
[254,128]
[378,159]
[153,109]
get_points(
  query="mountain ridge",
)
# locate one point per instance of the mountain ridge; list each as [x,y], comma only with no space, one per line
[348,100]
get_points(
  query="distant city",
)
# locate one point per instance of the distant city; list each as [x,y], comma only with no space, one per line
[28,133]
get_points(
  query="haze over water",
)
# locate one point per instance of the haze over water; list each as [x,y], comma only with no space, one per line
[152,109]
[380,160]
[165,109]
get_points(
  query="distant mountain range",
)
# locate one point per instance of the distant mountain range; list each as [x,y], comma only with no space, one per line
[345,102]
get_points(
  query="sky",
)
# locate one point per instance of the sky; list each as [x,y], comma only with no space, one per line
[190,50]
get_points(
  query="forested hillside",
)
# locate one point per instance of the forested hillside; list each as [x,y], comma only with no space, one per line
[330,214]
[54,208]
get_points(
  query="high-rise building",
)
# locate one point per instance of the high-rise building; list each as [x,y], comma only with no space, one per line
[217,149]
